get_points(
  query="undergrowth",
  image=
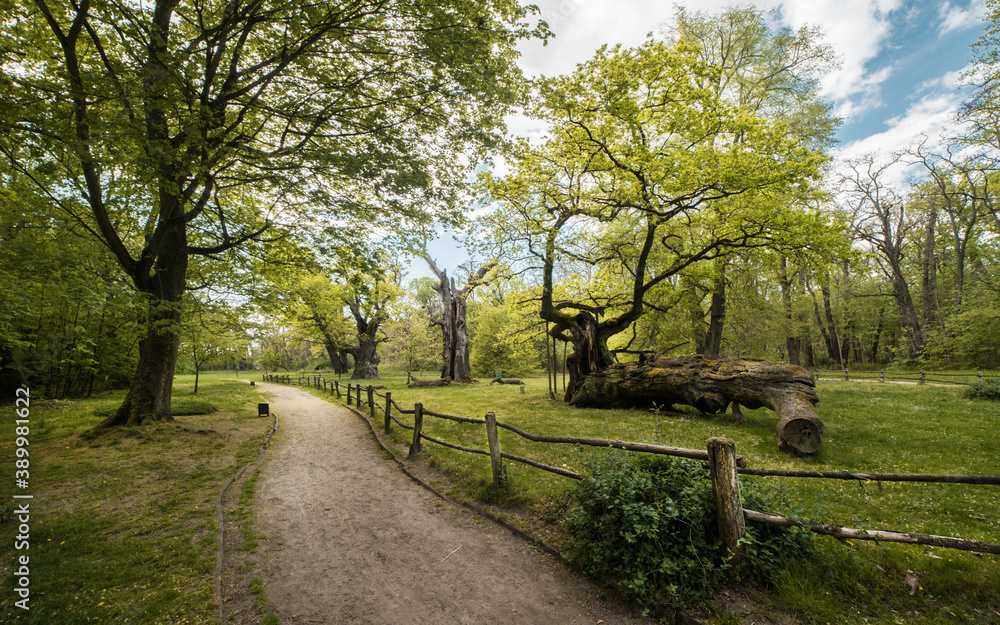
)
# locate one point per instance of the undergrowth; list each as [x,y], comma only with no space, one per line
[648,525]
[984,389]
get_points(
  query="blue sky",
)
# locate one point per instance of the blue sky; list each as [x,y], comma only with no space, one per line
[900,62]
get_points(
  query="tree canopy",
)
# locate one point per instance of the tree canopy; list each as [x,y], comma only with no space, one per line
[644,173]
[169,130]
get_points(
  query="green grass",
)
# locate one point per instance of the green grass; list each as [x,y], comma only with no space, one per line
[123,525]
[871,427]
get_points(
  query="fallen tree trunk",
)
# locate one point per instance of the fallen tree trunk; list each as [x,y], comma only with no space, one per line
[505,381]
[415,383]
[711,386]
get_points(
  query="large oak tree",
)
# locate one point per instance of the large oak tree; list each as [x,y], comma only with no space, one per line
[644,173]
[174,130]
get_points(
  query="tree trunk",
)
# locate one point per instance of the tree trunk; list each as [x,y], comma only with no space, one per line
[692,301]
[791,340]
[590,350]
[929,262]
[335,353]
[710,386]
[149,393]
[908,314]
[716,314]
[455,337]
[366,358]
[834,343]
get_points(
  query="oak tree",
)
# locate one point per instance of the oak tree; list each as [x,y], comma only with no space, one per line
[631,181]
[172,130]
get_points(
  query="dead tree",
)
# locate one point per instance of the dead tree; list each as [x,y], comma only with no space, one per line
[711,386]
[453,309]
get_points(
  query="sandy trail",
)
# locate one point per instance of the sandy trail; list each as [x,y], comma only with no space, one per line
[351,539]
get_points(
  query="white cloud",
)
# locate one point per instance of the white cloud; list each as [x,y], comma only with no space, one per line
[960,18]
[948,81]
[931,119]
[857,30]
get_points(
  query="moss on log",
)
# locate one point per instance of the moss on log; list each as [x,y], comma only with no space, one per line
[415,383]
[711,386]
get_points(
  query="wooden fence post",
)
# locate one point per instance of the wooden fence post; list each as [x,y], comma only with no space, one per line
[371,401]
[496,460]
[418,424]
[881,375]
[336,387]
[922,374]
[847,375]
[348,394]
[726,489]
[388,410]
[979,374]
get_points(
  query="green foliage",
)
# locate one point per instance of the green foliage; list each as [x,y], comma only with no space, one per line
[412,344]
[976,340]
[505,338]
[648,523]
[69,325]
[984,389]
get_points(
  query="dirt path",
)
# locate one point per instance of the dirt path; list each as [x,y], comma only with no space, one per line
[351,539]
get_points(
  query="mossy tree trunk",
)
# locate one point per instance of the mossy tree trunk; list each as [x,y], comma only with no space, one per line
[711,386]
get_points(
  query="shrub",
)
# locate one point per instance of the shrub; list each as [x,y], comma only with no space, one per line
[984,389]
[648,524]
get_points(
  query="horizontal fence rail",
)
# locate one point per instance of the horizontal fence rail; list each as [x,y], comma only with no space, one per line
[723,463]
[876,477]
[877,535]
[920,377]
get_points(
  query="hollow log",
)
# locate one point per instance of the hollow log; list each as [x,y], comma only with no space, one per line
[711,386]
[415,383]
[505,381]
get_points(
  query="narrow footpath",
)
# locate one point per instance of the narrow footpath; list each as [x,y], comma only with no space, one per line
[352,540]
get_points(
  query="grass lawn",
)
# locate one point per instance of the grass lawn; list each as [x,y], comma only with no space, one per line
[872,427]
[123,523]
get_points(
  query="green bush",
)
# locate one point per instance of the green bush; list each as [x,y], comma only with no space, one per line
[984,389]
[648,524]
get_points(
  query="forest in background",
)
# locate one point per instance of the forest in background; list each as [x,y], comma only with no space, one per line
[756,243]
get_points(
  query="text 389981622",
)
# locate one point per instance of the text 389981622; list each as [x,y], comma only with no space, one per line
[22,509]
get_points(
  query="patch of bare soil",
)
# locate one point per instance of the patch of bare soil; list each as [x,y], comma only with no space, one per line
[351,539]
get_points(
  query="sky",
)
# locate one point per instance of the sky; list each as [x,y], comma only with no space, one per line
[899,76]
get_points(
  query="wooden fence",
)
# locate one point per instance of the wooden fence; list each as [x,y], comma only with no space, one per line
[920,377]
[724,466]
